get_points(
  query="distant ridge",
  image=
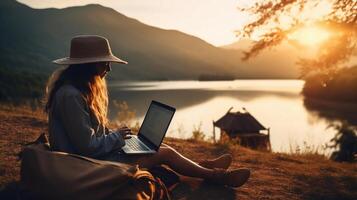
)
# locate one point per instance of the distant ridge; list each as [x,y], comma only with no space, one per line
[31,38]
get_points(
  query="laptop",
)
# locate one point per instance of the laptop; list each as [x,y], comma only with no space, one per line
[152,130]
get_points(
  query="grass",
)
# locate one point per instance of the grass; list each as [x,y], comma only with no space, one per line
[274,175]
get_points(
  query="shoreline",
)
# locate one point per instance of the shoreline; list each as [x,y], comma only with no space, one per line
[274,175]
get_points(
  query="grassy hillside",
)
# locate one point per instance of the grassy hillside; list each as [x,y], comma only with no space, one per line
[274,175]
[21,85]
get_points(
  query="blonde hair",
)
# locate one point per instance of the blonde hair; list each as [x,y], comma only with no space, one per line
[98,99]
[86,79]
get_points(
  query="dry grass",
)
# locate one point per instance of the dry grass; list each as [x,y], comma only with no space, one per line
[274,176]
[281,176]
[19,125]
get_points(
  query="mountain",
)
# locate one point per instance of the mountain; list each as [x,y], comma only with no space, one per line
[243,45]
[280,59]
[32,38]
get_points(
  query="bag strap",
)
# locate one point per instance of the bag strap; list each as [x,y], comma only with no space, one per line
[157,188]
[41,140]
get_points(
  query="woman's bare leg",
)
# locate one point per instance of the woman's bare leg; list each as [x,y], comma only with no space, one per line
[182,165]
[169,156]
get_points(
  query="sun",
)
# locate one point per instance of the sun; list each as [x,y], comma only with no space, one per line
[310,35]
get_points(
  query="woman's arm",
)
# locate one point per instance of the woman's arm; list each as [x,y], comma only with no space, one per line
[76,121]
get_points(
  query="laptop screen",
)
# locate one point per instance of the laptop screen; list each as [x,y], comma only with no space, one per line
[156,122]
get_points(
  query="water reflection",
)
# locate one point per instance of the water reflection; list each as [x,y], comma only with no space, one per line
[277,104]
[332,111]
[182,98]
[342,118]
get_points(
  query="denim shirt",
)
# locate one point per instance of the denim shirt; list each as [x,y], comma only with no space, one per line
[73,127]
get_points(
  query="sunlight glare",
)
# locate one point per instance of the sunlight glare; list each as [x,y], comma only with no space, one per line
[310,36]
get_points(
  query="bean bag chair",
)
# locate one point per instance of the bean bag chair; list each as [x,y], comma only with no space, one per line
[47,174]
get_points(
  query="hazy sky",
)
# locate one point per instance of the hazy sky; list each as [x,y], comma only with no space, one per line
[212,20]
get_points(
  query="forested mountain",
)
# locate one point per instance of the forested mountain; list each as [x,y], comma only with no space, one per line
[31,38]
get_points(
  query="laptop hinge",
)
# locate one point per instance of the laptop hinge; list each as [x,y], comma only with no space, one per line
[148,142]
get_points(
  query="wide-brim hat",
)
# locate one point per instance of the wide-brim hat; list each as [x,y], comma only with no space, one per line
[89,49]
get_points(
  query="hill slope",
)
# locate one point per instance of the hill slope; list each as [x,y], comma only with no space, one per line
[282,59]
[31,38]
[274,176]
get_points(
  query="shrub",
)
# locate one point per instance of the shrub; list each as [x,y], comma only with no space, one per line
[340,87]
[197,133]
[20,86]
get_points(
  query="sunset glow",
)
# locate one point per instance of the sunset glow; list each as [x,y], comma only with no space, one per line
[212,21]
[310,36]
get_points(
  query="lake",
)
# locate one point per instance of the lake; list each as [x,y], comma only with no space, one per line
[276,104]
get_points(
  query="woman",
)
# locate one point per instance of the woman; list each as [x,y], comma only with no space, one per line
[77,102]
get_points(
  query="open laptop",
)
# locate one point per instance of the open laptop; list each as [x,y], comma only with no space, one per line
[152,130]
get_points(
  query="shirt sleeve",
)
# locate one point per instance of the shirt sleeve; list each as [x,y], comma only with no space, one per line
[77,123]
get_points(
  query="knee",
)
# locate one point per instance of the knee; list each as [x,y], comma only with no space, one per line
[167,152]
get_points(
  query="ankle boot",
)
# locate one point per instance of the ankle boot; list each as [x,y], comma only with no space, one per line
[231,178]
[222,162]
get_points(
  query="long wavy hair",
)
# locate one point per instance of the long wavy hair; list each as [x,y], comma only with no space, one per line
[86,79]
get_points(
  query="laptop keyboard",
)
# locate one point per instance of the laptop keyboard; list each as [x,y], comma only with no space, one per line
[135,145]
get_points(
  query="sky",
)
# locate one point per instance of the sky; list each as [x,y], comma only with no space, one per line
[211,20]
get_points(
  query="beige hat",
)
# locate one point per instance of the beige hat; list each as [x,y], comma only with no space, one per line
[89,49]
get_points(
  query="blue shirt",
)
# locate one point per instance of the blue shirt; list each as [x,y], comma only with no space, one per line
[73,127]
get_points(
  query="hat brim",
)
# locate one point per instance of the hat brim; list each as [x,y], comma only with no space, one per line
[70,61]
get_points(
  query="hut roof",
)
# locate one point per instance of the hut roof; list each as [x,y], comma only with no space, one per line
[239,122]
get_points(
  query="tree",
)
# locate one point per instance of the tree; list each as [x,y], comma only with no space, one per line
[344,143]
[275,20]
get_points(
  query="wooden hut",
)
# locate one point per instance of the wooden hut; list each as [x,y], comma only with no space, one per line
[243,128]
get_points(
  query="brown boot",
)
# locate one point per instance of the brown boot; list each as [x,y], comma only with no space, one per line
[232,178]
[222,162]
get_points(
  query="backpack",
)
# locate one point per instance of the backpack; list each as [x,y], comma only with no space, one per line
[48,174]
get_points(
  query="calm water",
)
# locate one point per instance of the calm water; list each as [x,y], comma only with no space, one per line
[277,104]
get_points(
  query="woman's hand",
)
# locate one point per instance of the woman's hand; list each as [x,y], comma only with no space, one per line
[124,131]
